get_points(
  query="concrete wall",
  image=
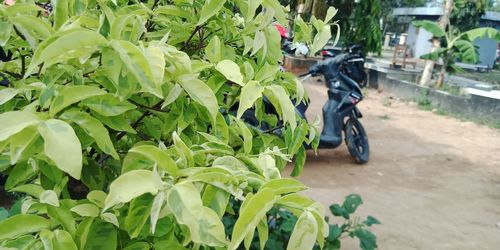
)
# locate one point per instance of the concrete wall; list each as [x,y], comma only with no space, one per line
[418,41]
[472,106]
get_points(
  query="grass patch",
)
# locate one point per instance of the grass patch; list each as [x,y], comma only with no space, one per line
[425,104]
[492,77]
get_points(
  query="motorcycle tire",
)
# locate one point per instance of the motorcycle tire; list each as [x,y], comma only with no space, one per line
[357,141]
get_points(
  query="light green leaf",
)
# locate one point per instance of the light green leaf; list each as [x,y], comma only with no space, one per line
[172,10]
[173,94]
[6,28]
[263,232]
[304,233]
[300,160]
[158,203]
[248,8]
[49,197]
[62,146]
[65,45]
[137,63]
[15,121]
[97,197]
[60,12]
[95,129]
[267,73]
[320,40]
[213,50]
[204,224]
[284,186]
[7,94]
[108,105]
[31,189]
[215,198]
[258,42]
[118,123]
[131,185]
[200,92]
[161,158]
[21,224]
[157,63]
[231,71]
[255,209]
[21,142]
[278,9]
[279,98]
[101,236]
[137,214]
[210,8]
[247,136]
[63,240]
[249,94]
[430,26]
[64,217]
[330,13]
[183,148]
[25,242]
[32,28]
[73,94]
[111,218]
[482,33]
[86,209]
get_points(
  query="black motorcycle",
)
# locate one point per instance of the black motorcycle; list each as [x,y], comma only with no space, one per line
[340,112]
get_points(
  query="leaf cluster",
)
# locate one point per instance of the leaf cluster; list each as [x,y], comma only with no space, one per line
[132,125]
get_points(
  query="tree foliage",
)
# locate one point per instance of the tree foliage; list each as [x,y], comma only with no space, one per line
[124,125]
[466,14]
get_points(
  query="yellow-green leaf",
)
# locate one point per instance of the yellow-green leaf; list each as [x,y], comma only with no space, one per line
[204,224]
[137,63]
[210,8]
[249,94]
[304,233]
[15,121]
[73,94]
[254,210]
[231,71]
[200,92]
[62,146]
[86,209]
[161,158]
[21,224]
[65,45]
[131,185]
[95,129]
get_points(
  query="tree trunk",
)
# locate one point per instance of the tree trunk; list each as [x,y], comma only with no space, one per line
[319,9]
[442,73]
[436,44]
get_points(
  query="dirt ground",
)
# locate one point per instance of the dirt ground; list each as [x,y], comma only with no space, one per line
[433,181]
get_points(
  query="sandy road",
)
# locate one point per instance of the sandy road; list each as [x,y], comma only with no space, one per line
[433,181]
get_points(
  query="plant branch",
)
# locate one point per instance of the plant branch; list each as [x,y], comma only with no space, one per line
[186,44]
[154,108]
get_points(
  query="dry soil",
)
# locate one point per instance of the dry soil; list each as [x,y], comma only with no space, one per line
[433,181]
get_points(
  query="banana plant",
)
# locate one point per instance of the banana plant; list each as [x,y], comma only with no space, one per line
[454,46]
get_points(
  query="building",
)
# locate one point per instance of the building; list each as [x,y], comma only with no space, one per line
[418,38]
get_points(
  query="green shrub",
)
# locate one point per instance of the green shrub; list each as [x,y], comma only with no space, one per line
[122,125]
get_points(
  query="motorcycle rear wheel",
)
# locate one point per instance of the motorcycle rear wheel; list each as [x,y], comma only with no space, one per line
[357,141]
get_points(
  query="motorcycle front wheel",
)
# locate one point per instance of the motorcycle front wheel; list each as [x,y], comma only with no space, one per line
[357,141]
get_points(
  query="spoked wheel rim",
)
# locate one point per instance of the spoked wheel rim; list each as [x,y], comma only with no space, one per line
[357,141]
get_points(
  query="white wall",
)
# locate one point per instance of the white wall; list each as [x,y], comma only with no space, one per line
[418,41]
